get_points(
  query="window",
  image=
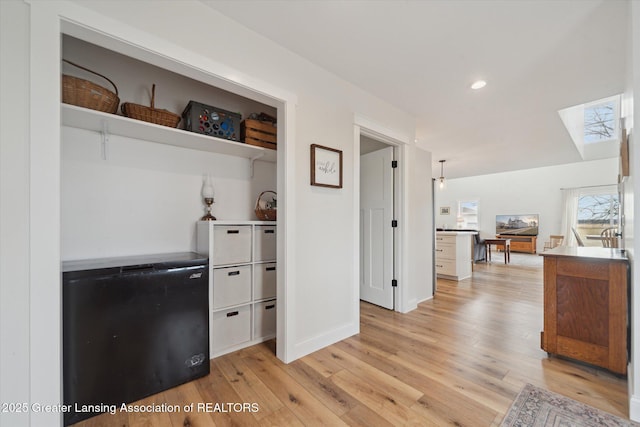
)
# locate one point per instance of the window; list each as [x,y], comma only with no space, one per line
[597,211]
[594,127]
[600,122]
[468,214]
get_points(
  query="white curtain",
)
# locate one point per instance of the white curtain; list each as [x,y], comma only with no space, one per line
[570,198]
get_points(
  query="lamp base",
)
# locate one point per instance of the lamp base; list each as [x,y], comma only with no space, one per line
[208,217]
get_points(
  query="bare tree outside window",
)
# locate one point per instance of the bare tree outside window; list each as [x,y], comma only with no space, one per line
[601,208]
[599,122]
[595,213]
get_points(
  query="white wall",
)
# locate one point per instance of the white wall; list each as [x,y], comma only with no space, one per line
[420,228]
[145,197]
[14,211]
[531,191]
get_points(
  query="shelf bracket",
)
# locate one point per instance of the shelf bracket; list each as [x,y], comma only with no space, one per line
[104,136]
[253,159]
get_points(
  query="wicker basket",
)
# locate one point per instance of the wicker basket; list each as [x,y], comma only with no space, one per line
[83,93]
[264,211]
[150,114]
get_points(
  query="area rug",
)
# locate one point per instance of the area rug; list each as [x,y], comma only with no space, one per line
[536,407]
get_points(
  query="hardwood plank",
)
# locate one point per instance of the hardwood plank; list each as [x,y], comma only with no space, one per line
[215,389]
[187,394]
[362,416]
[324,389]
[294,396]
[248,385]
[374,396]
[150,419]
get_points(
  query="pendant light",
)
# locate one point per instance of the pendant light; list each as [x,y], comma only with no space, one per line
[441,184]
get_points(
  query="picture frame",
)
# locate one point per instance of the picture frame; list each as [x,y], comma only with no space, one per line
[445,210]
[326,166]
[624,153]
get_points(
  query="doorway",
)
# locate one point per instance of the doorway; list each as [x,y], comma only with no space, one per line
[377,222]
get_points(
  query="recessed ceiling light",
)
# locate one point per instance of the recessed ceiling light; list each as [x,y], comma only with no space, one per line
[478,84]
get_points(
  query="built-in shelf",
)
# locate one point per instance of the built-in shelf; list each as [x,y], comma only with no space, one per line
[83,118]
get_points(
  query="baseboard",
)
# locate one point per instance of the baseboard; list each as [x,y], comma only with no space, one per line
[425,299]
[634,408]
[324,340]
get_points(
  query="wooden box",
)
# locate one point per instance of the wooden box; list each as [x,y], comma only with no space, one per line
[262,134]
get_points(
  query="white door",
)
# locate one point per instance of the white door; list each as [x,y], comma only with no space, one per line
[376,232]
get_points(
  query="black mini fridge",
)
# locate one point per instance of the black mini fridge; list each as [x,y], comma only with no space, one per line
[132,327]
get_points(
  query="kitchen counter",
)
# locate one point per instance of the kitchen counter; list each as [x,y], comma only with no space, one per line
[612,254]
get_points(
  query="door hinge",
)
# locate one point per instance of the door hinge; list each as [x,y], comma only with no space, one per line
[394,223]
[394,164]
[394,283]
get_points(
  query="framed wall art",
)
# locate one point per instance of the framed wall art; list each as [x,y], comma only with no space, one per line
[326,166]
[445,210]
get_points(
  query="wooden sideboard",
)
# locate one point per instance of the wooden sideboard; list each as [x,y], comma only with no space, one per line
[585,305]
[521,243]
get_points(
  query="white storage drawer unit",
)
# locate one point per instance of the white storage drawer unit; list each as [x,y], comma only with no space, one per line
[231,244]
[242,282]
[264,243]
[264,281]
[453,254]
[232,286]
[230,328]
[264,316]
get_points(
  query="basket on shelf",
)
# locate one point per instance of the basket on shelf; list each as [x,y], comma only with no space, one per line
[150,114]
[265,210]
[83,93]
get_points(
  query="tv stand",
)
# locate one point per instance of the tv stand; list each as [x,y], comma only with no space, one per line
[520,243]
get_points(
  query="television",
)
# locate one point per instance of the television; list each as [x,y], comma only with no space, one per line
[517,225]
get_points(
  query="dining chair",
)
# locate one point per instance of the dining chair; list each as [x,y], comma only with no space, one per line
[577,236]
[609,238]
[555,240]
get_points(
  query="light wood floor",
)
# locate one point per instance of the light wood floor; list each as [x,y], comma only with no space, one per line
[459,359]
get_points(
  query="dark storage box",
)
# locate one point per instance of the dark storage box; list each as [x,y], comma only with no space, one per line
[213,121]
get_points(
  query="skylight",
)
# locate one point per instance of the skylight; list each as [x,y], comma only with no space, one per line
[594,127]
[600,122]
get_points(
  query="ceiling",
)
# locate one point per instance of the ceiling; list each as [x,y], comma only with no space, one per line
[537,57]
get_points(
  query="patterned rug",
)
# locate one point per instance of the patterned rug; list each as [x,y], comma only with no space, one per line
[535,407]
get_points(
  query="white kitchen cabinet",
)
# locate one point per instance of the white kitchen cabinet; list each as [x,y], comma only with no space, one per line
[453,254]
[242,282]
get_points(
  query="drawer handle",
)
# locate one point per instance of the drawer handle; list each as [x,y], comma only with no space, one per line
[437,265]
[232,313]
[233,273]
[269,231]
[233,231]
[270,269]
[269,307]
[439,250]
